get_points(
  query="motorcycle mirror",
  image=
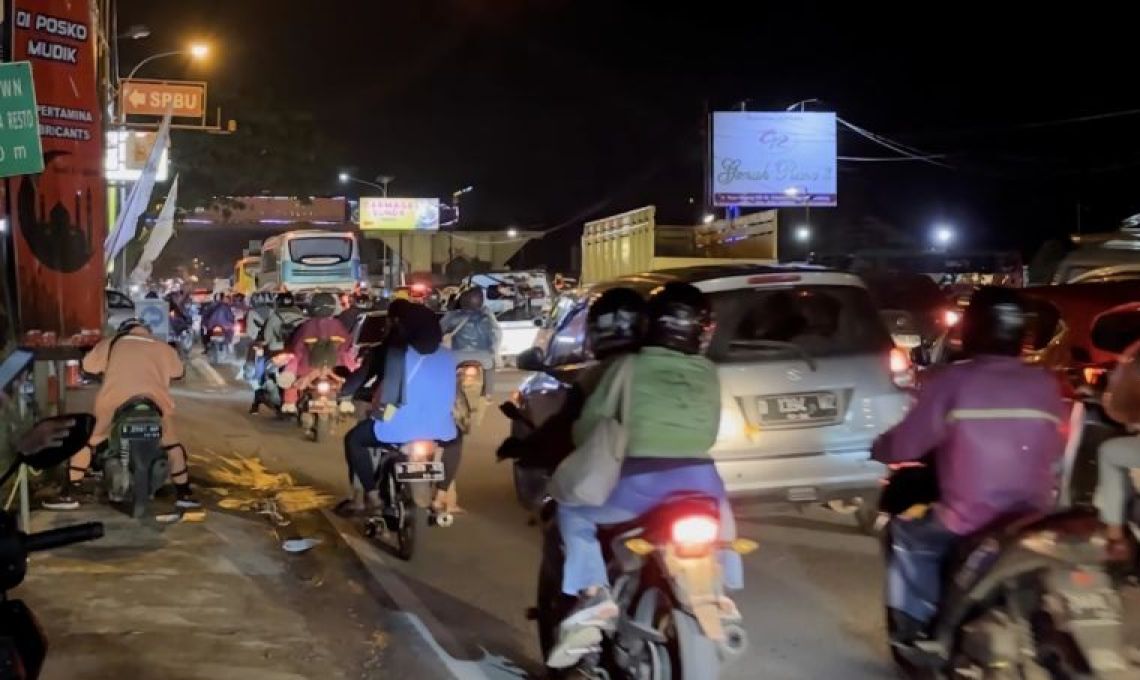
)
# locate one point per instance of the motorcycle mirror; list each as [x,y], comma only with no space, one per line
[532,360]
[83,424]
[1114,330]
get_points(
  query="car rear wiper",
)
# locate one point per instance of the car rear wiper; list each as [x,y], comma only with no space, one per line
[777,344]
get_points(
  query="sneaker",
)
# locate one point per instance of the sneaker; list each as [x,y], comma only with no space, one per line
[581,631]
[64,501]
[186,501]
[729,612]
[347,408]
[289,408]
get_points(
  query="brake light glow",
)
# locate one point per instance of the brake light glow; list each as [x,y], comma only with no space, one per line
[695,535]
[422,450]
[951,317]
[1092,374]
[902,370]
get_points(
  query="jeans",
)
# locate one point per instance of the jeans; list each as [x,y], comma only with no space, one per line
[634,496]
[914,572]
[1117,458]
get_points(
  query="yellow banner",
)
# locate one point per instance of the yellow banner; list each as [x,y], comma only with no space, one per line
[399,214]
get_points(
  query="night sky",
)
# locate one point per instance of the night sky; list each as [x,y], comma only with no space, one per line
[560,110]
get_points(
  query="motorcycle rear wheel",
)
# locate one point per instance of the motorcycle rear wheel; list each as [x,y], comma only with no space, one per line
[689,653]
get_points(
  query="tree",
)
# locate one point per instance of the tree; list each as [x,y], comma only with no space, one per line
[274,151]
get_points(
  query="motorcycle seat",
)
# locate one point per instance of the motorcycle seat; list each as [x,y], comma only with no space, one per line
[137,403]
[678,505]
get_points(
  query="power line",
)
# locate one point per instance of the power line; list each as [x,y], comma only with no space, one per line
[910,153]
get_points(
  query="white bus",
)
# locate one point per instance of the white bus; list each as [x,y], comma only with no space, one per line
[310,261]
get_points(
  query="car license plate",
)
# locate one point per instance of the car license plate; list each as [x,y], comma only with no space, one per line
[794,408]
[907,340]
[142,431]
[419,472]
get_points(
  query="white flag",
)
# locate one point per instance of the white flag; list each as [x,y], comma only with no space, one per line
[163,230]
[139,196]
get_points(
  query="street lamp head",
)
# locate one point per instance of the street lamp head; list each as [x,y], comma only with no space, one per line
[943,234]
[803,233]
[512,233]
[343,177]
[199,50]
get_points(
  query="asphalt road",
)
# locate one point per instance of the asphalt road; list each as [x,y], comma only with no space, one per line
[812,602]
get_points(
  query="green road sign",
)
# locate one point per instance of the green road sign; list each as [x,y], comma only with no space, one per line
[20,150]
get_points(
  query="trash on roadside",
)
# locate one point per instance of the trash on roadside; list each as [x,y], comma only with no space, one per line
[300,545]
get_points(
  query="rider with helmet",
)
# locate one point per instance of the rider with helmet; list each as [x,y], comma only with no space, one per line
[471,329]
[360,304]
[993,428]
[286,317]
[318,346]
[674,414]
[220,314]
[133,363]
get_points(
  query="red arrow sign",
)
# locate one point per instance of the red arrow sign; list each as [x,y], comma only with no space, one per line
[154,98]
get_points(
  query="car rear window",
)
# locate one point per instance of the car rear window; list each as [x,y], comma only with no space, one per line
[761,324]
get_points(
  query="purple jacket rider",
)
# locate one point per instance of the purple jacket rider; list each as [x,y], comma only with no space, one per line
[995,429]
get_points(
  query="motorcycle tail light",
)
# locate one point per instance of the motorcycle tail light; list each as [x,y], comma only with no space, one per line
[695,535]
[323,387]
[1093,374]
[951,317]
[420,451]
[902,370]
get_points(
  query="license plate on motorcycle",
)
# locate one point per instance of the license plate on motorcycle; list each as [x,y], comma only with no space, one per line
[799,408]
[419,472]
[141,431]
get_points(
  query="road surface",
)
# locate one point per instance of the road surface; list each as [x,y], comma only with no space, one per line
[812,602]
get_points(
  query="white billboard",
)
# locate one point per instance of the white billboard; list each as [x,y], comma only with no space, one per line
[774,159]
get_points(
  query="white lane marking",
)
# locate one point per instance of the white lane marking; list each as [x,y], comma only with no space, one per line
[430,628]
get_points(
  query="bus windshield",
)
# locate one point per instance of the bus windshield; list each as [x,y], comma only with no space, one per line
[320,250]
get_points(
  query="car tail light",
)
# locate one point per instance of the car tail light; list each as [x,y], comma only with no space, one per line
[695,535]
[217,330]
[902,370]
[951,317]
[1093,374]
[323,387]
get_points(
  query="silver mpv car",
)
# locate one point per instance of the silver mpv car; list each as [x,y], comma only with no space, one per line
[809,377]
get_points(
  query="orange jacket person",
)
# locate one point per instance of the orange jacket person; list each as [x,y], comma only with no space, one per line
[134,364]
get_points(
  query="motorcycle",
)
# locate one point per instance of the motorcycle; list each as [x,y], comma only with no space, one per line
[1028,597]
[134,464]
[666,583]
[407,477]
[317,406]
[23,645]
[217,345]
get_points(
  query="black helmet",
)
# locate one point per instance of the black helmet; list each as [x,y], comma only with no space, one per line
[285,300]
[616,323]
[471,297]
[994,322]
[130,324]
[323,304]
[679,315]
